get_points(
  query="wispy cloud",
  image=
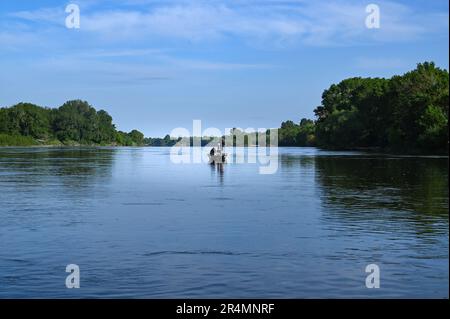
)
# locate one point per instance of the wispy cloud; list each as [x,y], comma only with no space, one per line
[310,23]
[16,40]
[54,15]
[377,63]
[89,70]
[208,65]
[112,53]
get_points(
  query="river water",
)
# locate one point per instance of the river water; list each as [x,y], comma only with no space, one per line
[139,225]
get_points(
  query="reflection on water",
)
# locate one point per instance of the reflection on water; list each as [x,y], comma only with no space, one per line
[77,167]
[218,169]
[386,192]
[141,226]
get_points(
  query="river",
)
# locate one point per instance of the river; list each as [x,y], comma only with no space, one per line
[139,225]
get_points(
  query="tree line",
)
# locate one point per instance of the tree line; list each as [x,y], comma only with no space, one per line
[74,123]
[406,113]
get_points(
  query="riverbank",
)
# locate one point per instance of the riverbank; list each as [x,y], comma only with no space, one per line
[390,151]
[7,140]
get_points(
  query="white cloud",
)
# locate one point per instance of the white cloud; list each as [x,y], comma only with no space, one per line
[377,63]
[46,15]
[212,65]
[120,53]
[312,22]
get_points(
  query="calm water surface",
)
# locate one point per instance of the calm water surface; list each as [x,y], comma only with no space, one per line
[140,226]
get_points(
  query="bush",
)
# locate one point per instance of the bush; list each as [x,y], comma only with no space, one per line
[16,140]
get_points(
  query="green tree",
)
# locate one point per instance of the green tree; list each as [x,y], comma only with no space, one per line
[76,121]
[414,100]
[136,137]
[306,133]
[404,113]
[434,124]
[25,119]
[106,130]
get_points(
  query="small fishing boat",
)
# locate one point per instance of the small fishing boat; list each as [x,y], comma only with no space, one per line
[217,155]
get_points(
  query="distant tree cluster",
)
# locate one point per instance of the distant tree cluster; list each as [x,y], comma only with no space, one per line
[75,122]
[171,141]
[166,141]
[292,134]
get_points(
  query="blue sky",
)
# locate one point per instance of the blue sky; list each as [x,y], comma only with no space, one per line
[157,65]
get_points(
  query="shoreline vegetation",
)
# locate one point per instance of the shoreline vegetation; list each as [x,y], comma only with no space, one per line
[402,114]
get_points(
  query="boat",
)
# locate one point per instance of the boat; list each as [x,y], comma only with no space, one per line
[217,155]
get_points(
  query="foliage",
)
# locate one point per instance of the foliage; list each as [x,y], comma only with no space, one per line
[25,119]
[292,134]
[407,113]
[166,141]
[74,123]
[16,140]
